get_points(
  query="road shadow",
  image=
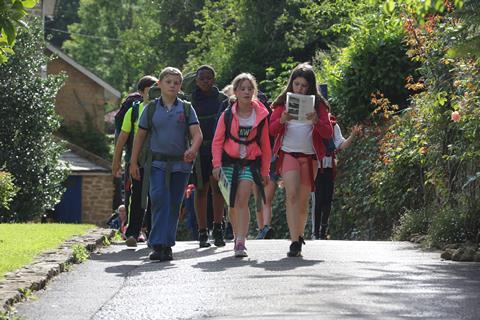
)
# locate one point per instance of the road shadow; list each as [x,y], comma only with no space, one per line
[232,262]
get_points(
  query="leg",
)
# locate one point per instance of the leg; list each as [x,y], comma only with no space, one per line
[326,202]
[218,205]
[160,199]
[304,193]
[201,198]
[258,212]
[319,192]
[136,213]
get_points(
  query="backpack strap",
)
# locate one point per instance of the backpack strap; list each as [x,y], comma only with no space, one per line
[227,118]
[146,153]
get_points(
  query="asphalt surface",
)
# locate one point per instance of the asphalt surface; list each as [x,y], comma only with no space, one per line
[333,280]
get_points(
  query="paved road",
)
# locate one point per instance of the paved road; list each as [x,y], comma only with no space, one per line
[334,280]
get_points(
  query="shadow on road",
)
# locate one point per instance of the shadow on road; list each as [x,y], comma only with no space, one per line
[269,265]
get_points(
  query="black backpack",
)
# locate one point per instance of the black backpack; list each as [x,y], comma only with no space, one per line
[126,104]
[133,101]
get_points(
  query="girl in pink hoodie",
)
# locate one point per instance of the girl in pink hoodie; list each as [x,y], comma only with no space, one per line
[241,152]
[299,145]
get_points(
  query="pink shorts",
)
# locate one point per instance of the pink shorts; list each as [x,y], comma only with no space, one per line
[300,164]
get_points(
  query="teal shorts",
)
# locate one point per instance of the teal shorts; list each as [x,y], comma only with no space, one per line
[244,174]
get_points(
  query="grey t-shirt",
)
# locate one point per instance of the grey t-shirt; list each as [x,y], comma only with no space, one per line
[168,133]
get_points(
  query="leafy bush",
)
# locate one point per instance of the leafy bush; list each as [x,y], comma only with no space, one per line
[88,137]
[412,222]
[448,226]
[374,61]
[29,151]
[7,189]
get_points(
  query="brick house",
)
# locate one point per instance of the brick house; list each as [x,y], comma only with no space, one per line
[83,96]
[90,188]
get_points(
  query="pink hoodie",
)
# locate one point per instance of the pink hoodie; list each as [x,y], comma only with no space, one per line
[219,145]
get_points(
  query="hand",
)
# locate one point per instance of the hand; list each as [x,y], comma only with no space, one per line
[265,179]
[116,169]
[135,171]
[285,117]
[216,173]
[189,155]
[357,130]
[312,116]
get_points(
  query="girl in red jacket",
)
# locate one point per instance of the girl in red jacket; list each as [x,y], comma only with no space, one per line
[298,146]
[241,150]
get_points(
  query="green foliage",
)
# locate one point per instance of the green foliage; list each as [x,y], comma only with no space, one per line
[7,189]
[374,61]
[11,15]
[412,222]
[79,253]
[144,35]
[56,28]
[29,151]
[448,226]
[88,137]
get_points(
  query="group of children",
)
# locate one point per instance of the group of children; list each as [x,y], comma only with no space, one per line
[238,139]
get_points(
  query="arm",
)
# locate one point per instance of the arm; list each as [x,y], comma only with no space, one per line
[137,145]
[356,130]
[117,155]
[217,146]
[197,138]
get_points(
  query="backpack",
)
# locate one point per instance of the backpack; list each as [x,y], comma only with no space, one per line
[150,110]
[227,118]
[145,157]
[126,104]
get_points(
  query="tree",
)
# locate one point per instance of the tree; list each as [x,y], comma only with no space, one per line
[11,14]
[29,151]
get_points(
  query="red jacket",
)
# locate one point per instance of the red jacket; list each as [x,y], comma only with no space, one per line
[219,145]
[321,130]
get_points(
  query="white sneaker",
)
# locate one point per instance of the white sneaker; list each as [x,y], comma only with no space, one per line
[240,251]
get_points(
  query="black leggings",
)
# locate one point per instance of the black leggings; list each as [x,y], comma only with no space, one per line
[323,200]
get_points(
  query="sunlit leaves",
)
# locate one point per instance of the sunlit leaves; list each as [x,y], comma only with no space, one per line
[11,13]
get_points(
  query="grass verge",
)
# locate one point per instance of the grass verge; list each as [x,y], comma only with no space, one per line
[20,243]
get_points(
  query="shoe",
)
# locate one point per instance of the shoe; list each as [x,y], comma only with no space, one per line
[141,238]
[161,253]
[296,248]
[217,235]
[240,250]
[265,233]
[229,232]
[203,238]
[323,232]
[131,242]
[168,253]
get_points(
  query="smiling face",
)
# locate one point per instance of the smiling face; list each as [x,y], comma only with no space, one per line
[205,80]
[245,91]
[170,85]
[300,85]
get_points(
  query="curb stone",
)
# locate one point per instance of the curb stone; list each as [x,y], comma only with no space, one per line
[45,266]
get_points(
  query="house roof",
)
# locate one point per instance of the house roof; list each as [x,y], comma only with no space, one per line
[81,161]
[83,70]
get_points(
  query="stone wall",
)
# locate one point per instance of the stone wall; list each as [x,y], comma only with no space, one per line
[79,96]
[97,197]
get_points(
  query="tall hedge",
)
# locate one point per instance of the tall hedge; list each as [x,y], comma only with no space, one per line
[28,149]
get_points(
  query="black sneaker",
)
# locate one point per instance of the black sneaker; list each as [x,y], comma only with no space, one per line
[157,253]
[296,248]
[168,255]
[217,235]
[203,238]
[229,232]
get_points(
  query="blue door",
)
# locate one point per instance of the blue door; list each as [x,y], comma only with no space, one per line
[69,210]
